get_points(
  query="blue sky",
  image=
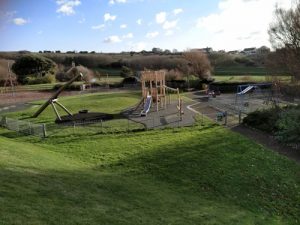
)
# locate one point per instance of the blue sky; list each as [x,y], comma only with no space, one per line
[126,25]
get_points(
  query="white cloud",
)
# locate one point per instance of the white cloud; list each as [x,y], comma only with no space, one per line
[128,36]
[240,22]
[112,39]
[169,33]
[152,34]
[177,11]
[123,26]
[108,17]
[20,21]
[170,24]
[161,17]
[139,21]
[98,27]
[67,7]
[112,2]
[139,46]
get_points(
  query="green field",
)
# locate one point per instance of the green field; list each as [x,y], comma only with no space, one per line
[252,78]
[197,175]
[112,103]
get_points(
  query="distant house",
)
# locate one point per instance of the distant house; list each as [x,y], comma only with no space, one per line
[249,51]
[47,51]
[263,50]
[234,52]
[206,50]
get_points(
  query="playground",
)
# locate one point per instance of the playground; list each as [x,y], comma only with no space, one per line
[106,172]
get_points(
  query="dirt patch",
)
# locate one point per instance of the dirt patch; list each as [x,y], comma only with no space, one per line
[23,97]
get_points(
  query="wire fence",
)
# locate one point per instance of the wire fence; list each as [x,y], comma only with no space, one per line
[221,114]
[72,128]
[23,127]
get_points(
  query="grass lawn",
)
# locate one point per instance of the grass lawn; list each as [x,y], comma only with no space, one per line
[251,78]
[110,102]
[33,87]
[240,70]
[197,175]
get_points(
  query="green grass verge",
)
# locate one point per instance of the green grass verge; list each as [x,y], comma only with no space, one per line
[250,78]
[110,102]
[200,175]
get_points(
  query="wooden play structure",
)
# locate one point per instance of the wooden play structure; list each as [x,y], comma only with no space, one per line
[155,91]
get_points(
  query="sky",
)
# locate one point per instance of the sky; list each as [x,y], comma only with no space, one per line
[135,25]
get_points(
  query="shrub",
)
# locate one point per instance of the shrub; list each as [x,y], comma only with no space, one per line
[32,65]
[289,126]
[264,120]
[40,80]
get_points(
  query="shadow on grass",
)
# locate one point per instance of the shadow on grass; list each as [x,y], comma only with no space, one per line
[223,166]
[89,197]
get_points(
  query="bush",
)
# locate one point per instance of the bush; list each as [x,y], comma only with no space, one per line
[264,120]
[34,66]
[40,80]
[283,123]
[289,126]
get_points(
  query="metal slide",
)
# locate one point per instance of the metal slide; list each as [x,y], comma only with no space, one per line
[147,106]
[247,89]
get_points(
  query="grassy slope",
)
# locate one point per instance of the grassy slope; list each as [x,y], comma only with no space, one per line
[205,175]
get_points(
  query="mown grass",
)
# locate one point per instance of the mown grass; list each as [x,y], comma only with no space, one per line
[112,103]
[200,175]
[250,78]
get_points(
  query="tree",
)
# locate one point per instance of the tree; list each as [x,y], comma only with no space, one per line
[197,64]
[32,65]
[285,36]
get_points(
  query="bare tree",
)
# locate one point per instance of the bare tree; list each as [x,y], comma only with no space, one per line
[197,64]
[284,35]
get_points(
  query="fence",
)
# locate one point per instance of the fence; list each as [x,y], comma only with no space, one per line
[23,127]
[78,128]
[93,127]
[221,114]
